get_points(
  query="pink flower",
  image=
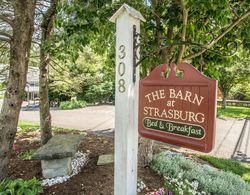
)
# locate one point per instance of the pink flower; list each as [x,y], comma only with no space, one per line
[161,190]
[14,147]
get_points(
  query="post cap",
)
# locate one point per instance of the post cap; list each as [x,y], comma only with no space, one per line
[126,8]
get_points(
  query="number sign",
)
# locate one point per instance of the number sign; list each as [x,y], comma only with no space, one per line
[178,110]
[121,69]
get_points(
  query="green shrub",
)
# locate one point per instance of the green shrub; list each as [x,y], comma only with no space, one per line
[72,104]
[20,187]
[210,180]
[102,93]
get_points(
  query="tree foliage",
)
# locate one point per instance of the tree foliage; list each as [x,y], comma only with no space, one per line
[229,72]
[173,31]
[86,78]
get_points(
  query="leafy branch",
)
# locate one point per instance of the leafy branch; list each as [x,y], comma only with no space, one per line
[214,41]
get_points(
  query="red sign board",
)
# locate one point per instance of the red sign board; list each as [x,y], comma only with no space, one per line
[178,111]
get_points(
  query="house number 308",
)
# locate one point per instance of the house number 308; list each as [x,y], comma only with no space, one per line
[121,69]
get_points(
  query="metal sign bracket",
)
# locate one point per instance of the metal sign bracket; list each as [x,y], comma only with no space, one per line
[136,45]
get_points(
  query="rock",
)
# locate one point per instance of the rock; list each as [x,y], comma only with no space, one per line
[105,159]
[77,163]
[57,167]
[59,146]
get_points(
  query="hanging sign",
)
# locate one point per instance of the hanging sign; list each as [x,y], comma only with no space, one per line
[178,110]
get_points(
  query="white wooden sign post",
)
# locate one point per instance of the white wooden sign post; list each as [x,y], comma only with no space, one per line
[126,102]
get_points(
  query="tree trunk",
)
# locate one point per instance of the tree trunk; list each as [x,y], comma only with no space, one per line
[45,116]
[145,153]
[23,26]
[145,149]
[224,102]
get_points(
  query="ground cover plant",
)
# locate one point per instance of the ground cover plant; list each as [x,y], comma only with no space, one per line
[26,155]
[180,186]
[202,177]
[233,112]
[20,187]
[229,165]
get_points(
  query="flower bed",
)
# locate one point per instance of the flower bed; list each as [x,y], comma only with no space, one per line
[184,176]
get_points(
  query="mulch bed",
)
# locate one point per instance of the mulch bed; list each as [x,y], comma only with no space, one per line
[91,180]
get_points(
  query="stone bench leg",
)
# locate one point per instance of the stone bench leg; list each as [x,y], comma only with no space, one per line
[57,167]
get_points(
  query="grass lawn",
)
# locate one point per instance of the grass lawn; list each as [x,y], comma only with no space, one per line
[30,126]
[233,166]
[233,112]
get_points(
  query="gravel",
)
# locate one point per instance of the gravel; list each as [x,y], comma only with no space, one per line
[77,163]
[140,185]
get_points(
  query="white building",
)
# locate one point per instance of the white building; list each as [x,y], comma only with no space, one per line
[32,86]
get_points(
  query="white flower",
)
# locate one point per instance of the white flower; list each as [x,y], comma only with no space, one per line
[167,178]
[195,184]
[174,180]
[140,186]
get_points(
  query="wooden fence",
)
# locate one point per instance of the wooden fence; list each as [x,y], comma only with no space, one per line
[235,103]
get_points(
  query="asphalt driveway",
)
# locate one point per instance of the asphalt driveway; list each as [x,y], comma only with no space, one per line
[89,119]
[101,118]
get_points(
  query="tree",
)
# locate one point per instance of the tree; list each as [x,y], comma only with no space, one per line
[18,15]
[83,79]
[46,30]
[242,91]
[185,30]
[174,31]
[229,74]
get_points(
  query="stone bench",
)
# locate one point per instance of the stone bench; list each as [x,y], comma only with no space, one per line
[56,155]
